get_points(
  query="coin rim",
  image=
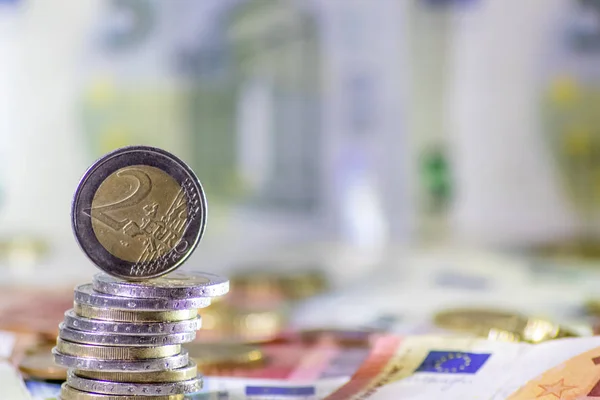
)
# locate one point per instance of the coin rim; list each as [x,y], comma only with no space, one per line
[81,395]
[95,338]
[106,352]
[130,388]
[219,286]
[172,375]
[92,364]
[91,181]
[71,315]
[94,298]
[118,315]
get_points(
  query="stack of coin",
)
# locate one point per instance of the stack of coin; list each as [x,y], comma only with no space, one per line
[138,213]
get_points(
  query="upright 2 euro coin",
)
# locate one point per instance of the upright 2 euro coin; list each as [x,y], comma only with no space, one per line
[139,212]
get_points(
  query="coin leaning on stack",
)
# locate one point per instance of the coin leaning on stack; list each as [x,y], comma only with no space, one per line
[138,213]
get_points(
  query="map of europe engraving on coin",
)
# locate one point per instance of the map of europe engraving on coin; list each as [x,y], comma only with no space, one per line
[139,212]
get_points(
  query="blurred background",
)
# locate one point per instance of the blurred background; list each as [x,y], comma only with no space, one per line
[350,144]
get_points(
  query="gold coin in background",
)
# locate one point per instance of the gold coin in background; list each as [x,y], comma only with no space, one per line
[233,323]
[117,230]
[23,249]
[215,357]
[39,364]
[264,284]
[304,284]
[578,250]
[256,286]
[500,325]
[258,306]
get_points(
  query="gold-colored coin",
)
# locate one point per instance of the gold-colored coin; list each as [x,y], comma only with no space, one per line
[39,364]
[500,325]
[23,249]
[582,250]
[68,393]
[116,353]
[219,356]
[138,212]
[231,323]
[118,229]
[175,375]
[257,286]
[112,314]
[271,285]
[304,284]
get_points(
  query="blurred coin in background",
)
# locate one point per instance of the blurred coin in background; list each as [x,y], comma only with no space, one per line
[306,283]
[38,363]
[219,357]
[223,321]
[268,284]
[500,325]
[23,250]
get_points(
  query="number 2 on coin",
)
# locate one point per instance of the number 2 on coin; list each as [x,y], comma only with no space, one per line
[144,185]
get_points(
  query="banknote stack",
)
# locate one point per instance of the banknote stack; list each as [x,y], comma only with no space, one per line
[138,213]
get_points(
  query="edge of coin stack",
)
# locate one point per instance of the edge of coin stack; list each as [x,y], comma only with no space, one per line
[122,338]
[114,352]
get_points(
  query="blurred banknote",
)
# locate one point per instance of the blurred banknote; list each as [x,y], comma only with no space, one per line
[222,388]
[298,359]
[11,385]
[567,369]
[430,367]
[41,390]
[7,343]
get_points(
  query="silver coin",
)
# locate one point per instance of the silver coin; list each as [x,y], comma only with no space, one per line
[133,389]
[138,212]
[104,338]
[85,294]
[68,393]
[178,285]
[93,364]
[74,321]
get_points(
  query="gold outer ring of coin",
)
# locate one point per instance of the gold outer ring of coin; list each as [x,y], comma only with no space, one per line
[40,364]
[68,393]
[500,325]
[115,353]
[111,314]
[175,375]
